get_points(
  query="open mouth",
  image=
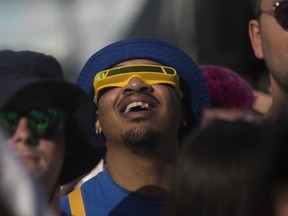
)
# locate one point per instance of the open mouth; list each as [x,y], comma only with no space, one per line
[137,106]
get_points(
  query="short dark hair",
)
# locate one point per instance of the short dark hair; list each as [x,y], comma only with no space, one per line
[222,171]
[256,7]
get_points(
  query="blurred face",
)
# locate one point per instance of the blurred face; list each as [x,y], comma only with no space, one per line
[139,114]
[280,197]
[42,157]
[281,204]
[270,42]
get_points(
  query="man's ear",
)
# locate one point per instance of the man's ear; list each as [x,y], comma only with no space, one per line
[255,38]
[97,123]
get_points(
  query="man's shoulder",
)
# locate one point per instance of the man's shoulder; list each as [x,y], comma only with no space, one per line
[102,196]
[92,182]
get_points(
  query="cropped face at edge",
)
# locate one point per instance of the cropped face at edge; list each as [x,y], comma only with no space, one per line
[140,105]
[42,156]
[270,39]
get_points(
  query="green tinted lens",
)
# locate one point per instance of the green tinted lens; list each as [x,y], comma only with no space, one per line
[46,123]
[134,69]
[38,122]
[9,121]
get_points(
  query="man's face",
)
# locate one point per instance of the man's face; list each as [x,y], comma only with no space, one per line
[139,114]
[270,41]
[42,157]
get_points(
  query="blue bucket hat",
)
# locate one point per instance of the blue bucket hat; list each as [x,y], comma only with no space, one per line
[192,82]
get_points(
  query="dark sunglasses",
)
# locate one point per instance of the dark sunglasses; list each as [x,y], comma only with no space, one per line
[44,123]
[280,11]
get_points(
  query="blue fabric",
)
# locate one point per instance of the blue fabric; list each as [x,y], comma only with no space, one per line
[103,197]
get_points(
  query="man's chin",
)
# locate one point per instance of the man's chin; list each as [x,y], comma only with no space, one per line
[141,141]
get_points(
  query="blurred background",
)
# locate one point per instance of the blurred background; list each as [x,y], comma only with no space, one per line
[212,32]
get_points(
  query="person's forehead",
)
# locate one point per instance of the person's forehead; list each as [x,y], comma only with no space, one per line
[137,61]
[265,4]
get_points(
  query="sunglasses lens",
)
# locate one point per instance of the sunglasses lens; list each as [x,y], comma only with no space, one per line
[46,123]
[38,122]
[281,14]
[9,121]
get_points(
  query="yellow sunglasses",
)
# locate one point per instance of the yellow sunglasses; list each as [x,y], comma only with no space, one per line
[121,76]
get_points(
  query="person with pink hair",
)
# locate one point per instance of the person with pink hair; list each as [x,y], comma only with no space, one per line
[232,97]
[227,89]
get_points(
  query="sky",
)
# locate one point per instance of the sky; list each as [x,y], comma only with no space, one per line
[70,30]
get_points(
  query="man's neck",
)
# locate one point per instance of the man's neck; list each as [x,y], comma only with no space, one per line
[150,175]
[279,96]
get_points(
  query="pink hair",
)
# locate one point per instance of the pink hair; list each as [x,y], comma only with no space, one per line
[227,88]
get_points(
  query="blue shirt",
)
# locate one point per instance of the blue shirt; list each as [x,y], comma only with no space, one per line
[103,197]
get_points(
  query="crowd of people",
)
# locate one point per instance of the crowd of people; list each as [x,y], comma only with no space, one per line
[168,136]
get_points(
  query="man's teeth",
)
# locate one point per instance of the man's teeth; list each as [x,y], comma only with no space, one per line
[138,104]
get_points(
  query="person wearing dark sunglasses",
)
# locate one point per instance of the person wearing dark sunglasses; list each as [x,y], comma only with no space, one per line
[268,33]
[47,121]
[269,38]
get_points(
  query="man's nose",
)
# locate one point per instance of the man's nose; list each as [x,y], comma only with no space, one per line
[137,85]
